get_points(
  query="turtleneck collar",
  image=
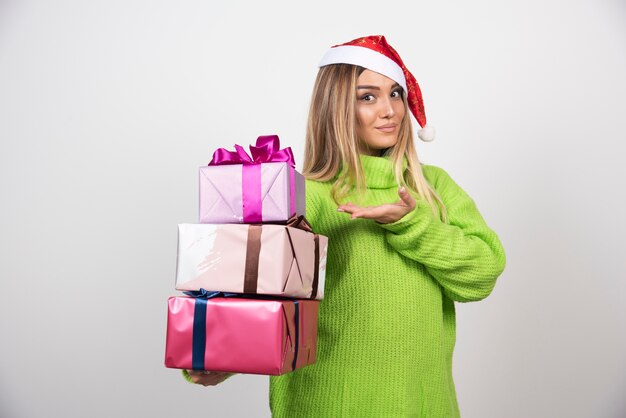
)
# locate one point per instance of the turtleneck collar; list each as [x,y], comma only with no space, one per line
[379,172]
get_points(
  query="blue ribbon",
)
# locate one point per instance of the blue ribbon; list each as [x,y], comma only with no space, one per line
[199,323]
[199,334]
[209,294]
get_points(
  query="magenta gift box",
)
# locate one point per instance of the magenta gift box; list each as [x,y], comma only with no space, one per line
[225,196]
[241,335]
[254,259]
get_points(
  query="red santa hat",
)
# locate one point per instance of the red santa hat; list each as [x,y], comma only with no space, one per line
[374,53]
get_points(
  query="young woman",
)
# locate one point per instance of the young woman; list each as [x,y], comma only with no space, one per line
[405,243]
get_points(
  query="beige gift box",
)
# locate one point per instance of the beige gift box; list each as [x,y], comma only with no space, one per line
[253,259]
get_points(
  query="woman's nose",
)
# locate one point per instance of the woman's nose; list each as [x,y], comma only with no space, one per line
[387,110]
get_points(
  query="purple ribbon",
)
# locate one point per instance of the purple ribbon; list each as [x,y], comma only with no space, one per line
[267,150]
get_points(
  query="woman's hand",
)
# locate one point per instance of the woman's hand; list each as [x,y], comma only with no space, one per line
[205,378]
[384,214]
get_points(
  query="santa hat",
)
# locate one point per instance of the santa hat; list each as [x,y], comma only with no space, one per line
[374,53]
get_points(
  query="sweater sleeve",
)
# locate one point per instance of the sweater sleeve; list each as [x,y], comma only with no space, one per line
[464,256]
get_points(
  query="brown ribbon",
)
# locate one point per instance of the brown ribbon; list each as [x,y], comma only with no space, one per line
[316,273]
[300,222]
[253,250]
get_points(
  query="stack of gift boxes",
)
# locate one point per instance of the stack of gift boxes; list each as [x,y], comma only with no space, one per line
[252,269]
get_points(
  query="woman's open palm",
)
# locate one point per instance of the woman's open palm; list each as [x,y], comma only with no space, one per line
[384,214]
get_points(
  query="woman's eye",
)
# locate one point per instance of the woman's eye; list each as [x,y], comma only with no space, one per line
[396,93]
[367,97]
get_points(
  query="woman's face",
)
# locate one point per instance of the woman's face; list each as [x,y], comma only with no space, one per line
[379,111]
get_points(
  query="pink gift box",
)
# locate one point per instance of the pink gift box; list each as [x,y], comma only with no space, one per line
[262,186]
[241,335]
[254,259]
[225,197]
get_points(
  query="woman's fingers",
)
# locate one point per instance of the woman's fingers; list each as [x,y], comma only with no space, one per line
[206,378]
[383,214]
[406,198]
[348,207]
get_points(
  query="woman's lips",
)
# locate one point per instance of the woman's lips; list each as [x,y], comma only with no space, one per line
[387,128]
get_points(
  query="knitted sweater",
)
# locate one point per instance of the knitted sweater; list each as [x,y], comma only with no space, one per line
[387,323]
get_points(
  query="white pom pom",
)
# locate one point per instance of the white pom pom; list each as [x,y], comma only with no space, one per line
[427,133]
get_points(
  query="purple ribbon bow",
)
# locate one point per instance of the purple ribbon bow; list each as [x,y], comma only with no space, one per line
[267,150]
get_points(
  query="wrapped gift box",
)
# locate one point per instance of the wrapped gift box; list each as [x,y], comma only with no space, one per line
[263,186]
[253,259]
[240,335]
[276,193]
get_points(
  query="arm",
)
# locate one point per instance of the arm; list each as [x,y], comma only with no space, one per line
[464,256]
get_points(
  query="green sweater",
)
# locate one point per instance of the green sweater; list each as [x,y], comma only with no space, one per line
[387,323]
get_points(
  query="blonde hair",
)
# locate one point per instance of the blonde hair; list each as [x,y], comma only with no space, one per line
[332,146]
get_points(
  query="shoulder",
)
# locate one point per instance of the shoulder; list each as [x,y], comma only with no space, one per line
[435,175]
[317,185]
[318,189]
[442,182]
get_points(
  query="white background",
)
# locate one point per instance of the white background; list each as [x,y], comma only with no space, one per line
[107,108]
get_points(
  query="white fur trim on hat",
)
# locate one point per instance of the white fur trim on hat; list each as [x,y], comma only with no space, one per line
[365,57]
[427,133]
